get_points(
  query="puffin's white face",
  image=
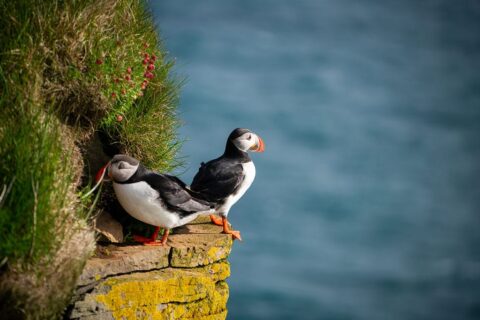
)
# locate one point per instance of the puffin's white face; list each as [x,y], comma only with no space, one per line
[121,170]
[249,141]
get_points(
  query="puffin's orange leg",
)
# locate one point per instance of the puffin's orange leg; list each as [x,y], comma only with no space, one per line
[226,229]
[216,220]
[165,236]
[162,242]
[152,240]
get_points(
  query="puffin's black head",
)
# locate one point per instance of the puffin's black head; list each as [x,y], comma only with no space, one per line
[245,140]
[120,168]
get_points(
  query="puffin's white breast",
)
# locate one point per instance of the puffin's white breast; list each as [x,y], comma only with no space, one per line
[249,173]
[142,202]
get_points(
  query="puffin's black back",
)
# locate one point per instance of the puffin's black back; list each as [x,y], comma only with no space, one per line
[218,179]
[172,191]
[221,177]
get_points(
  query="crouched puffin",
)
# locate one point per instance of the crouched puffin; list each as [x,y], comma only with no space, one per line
[157,199]
[225,180]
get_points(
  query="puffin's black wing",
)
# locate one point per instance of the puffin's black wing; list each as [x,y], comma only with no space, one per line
[176,180]
[218,179]
[174,195]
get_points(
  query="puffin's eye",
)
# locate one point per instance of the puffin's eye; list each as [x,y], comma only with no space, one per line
[122,165]
[249,137]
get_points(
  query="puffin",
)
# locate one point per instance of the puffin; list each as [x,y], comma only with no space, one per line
[224,180]
[161,200]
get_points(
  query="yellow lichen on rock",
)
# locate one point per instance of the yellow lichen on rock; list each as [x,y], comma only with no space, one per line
[212,306]
[166,294]
[186,252]
[137,294]
[184,280]
[217,271]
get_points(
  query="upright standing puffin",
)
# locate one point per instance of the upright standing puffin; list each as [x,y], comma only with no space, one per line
[225,180]
[160,200]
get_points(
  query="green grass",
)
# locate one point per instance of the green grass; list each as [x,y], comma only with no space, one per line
[68,69]
[149,133]
[37,171]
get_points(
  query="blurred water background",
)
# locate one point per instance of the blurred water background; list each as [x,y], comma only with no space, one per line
[366,203]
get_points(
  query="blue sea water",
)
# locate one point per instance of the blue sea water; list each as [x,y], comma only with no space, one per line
[366,203]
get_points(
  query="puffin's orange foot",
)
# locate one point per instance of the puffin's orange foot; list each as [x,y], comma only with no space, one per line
[216,220]
[235,234]
[226,229]
[152,240]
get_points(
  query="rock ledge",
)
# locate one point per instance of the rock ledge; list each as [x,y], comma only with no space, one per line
[183,280]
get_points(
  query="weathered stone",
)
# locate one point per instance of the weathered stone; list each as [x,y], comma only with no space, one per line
[218,316]
[198,244]
[183,280]
[212,307]
[201,219]
[164,294]
[97,316]
[114,260]
[200,225]
[217,271]
[108,227]
[192,250]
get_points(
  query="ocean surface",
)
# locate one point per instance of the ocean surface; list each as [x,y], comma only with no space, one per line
[366,203]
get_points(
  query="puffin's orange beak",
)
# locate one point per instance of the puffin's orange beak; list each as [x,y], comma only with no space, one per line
[261,145]
[101,173]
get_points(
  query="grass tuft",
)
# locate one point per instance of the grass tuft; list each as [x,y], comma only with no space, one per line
[34,163]
[68,69]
